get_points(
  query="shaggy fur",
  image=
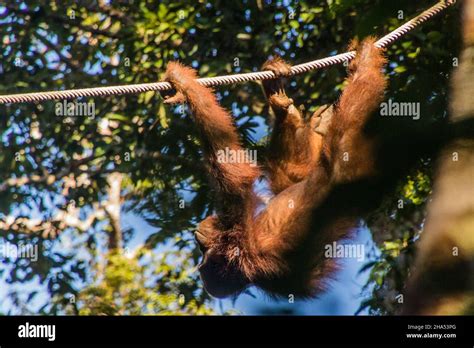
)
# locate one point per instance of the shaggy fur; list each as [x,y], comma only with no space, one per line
[281,249]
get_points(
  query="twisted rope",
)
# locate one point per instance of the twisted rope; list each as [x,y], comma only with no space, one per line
[227,79]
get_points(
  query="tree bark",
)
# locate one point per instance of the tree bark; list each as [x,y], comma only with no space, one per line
[113,207]
[443,279]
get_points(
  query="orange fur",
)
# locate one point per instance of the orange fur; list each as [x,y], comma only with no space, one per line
[281,249]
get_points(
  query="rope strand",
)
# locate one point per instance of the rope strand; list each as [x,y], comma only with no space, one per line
[227,79]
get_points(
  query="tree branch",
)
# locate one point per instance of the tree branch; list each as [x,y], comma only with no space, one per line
[113,208]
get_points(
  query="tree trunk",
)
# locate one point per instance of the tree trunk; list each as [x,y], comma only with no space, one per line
[443,279]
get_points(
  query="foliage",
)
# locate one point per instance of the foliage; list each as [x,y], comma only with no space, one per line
[124,288]
[395,227]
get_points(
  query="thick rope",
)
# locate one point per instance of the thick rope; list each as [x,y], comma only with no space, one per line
[228,79]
